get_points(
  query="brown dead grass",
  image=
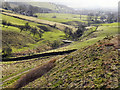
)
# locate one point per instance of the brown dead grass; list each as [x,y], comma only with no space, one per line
[34,74]
[116,41]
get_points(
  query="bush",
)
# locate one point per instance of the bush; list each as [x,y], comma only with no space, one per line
[55,44]
[53,16]
[4,22]
[35,16]
[7,52]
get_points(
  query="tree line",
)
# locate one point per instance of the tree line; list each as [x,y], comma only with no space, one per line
[74,35]
[101,18]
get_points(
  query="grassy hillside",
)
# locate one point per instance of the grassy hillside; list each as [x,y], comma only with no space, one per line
[16,39]
[59,17]
[18,68]
[87,67]
[95,63]
[95,66]
[23,42]
[52,6]
[41,21]
[44,5]
[99,34]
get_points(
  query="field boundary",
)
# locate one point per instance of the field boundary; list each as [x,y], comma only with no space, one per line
[39,55]
[41,21]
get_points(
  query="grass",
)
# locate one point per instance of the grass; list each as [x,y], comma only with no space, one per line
[89,67]
[10,28]
[54,35]
[30,42]
[91,39]
[74,67]
[10,82]
[33,19]
[108,24]
[18,46]
[17,21]
[88,32]
[99,34]
[15,39]
[43,5]
[61,17]
[13,68]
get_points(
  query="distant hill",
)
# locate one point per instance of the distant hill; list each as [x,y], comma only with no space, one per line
[24,8]
[30,8]
[52,6]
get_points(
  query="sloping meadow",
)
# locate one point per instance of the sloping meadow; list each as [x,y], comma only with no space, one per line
[95,66]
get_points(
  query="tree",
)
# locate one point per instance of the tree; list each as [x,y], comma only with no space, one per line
[22,9]
[110,18]
[90,18]
[102,18]
[31,10]
[21,28]
[9,24]
[34,30]
[27,26]
[96,17]
[80,16]
[55,44]
[53,16]
[4,22]
[68,33]
[79,32]
[40,34]
[7,52]
[6,5]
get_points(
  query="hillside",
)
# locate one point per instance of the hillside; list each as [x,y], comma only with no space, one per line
[65,18]
[72,69]
[95,66]
[40,21]
[58,49]
[41,7]
[55,7]
[27,42]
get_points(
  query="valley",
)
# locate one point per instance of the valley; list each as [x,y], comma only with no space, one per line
[73,50]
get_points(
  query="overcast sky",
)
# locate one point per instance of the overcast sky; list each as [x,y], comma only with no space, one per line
[83,3]
[87,3]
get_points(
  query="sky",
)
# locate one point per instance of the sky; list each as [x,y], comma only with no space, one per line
[83,3]
[87,3]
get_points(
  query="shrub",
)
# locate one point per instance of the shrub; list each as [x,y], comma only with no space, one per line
[55,44]
[7,52]
[21,28]
[4,22]
[53,16]
[35,16]
[27,26]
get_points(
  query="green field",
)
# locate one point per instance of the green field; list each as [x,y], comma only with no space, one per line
[51,35]
[62,17]
[99,34]
[41,21]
